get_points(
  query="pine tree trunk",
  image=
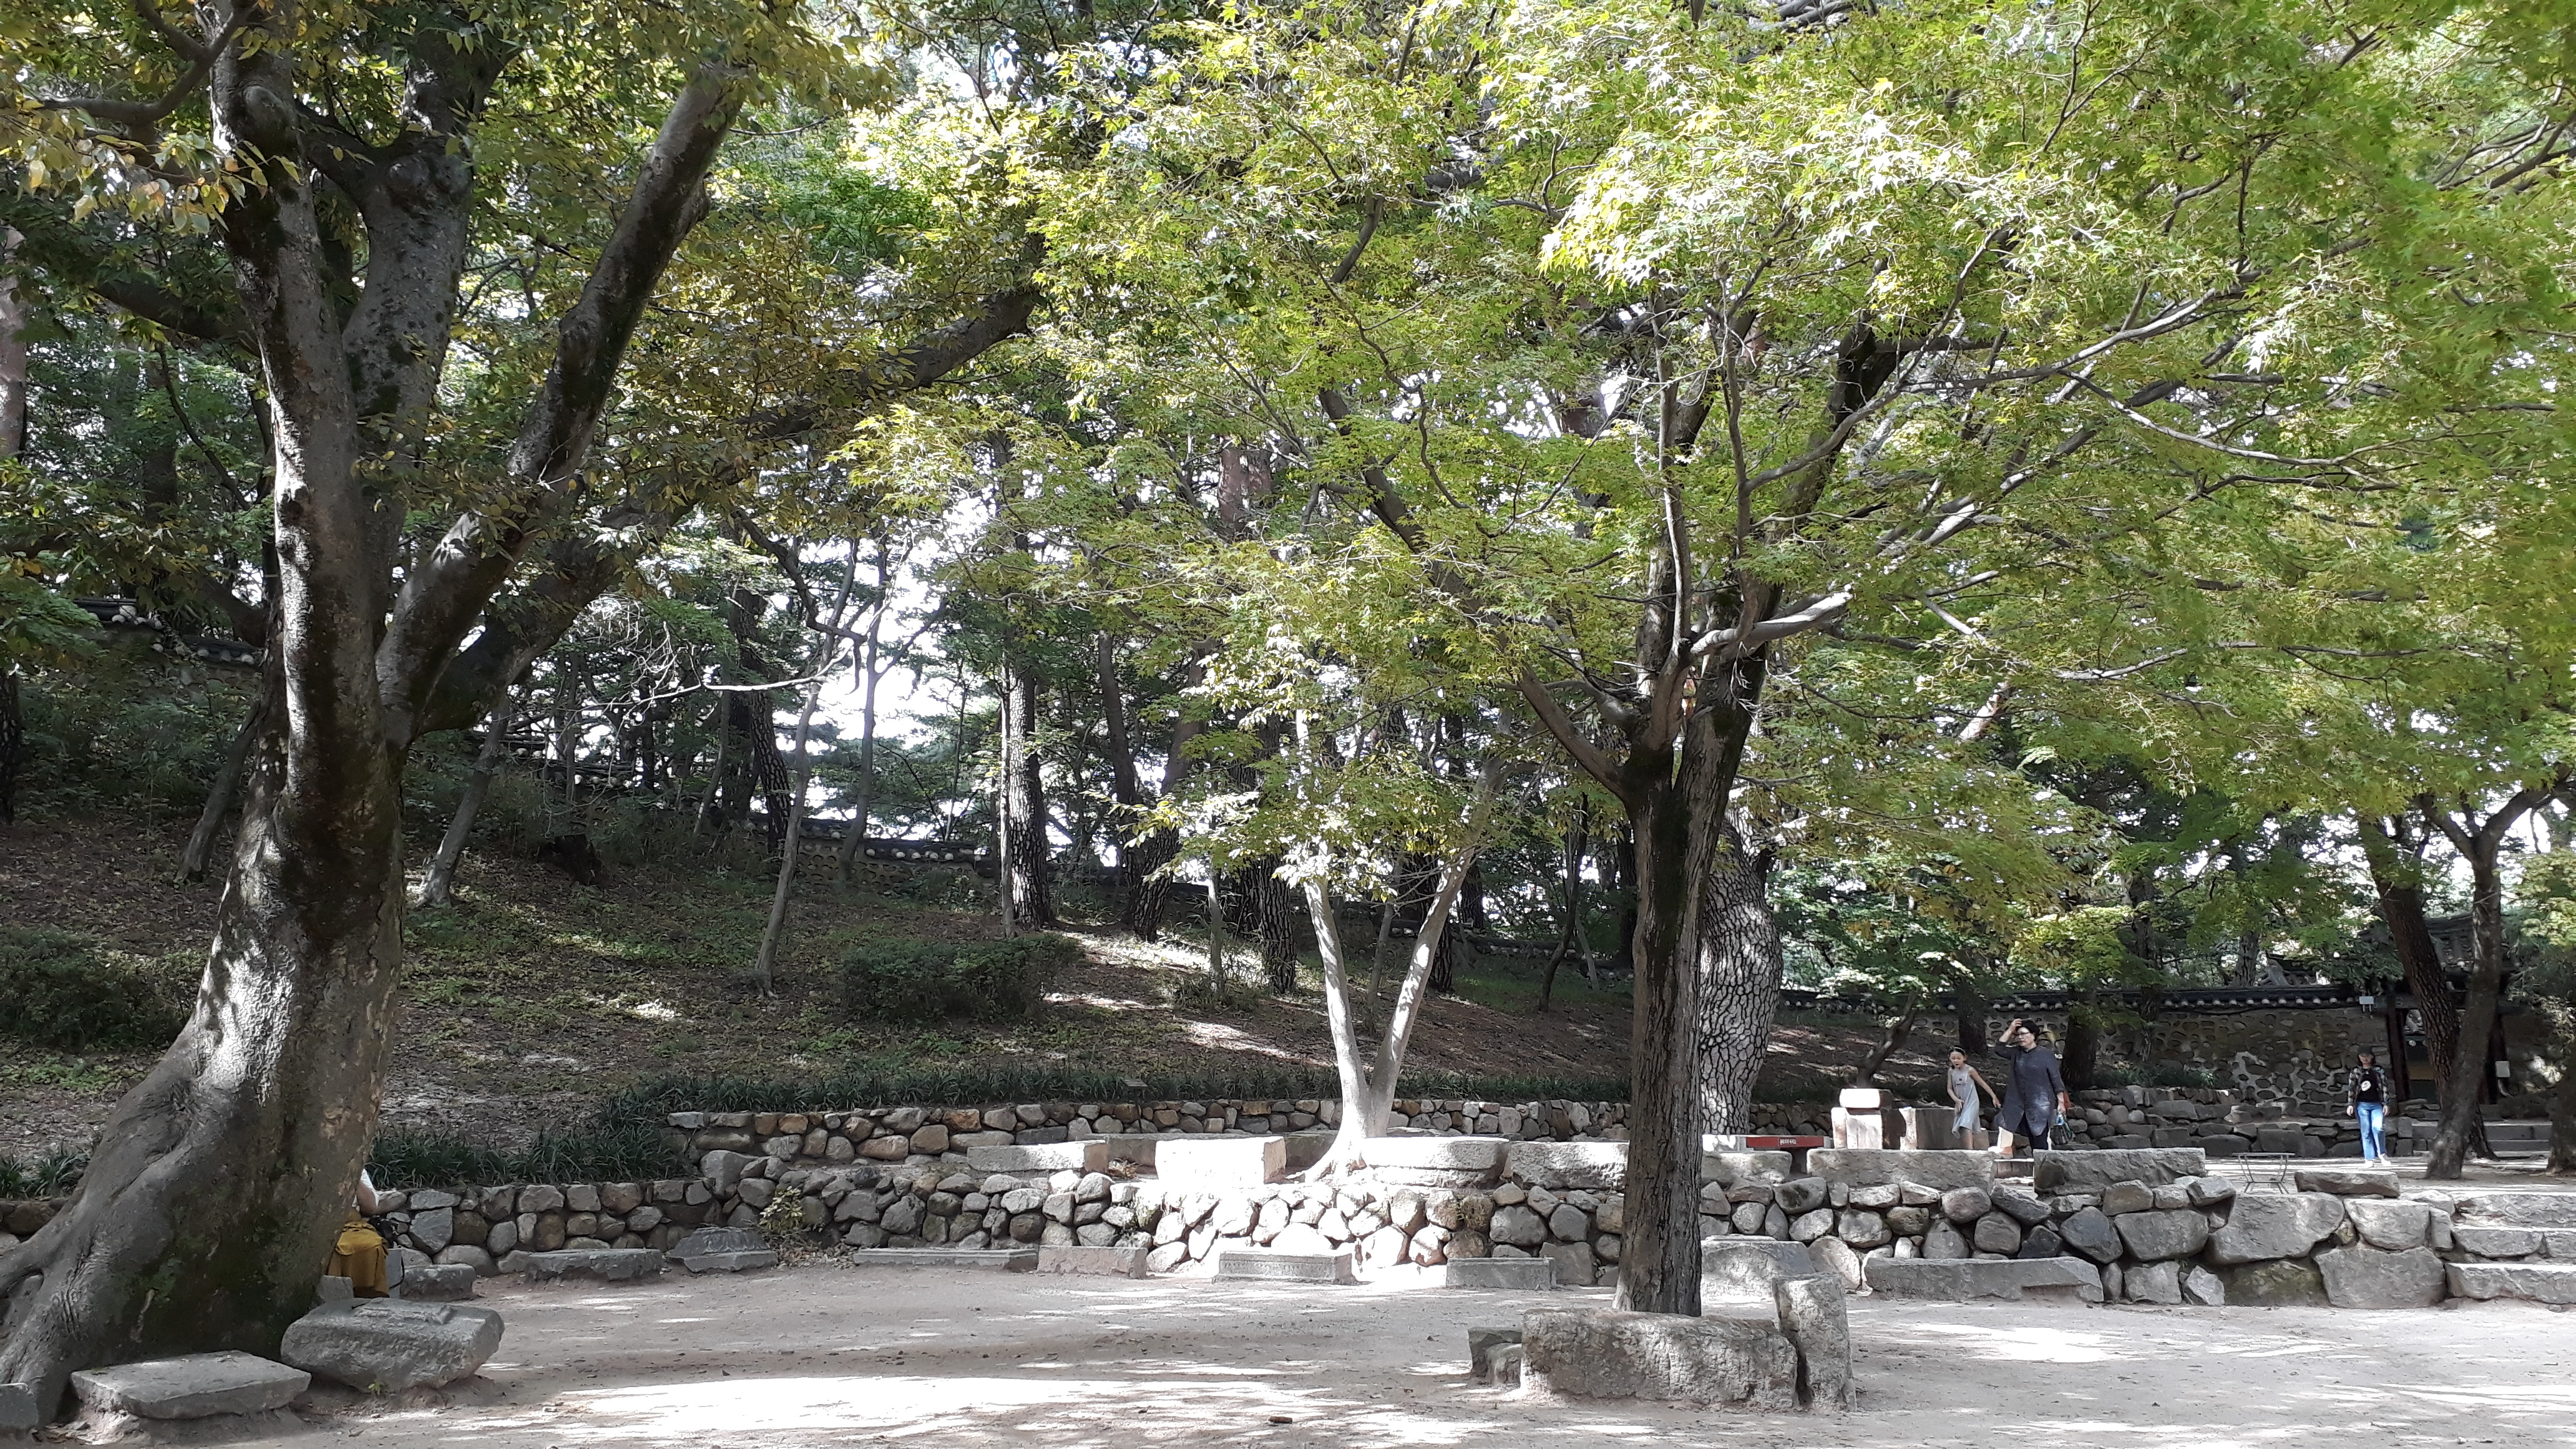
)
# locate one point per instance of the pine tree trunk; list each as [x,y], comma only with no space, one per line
[1032,893]
[1659,1255]
[441,879]
[2401,905]
[219,799]
[2463,1130]
[1739,981]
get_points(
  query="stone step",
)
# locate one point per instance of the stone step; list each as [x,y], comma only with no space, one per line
[2535,1282]
[193,1387]
[1268,1265]
[2548,1210]
[997,1260]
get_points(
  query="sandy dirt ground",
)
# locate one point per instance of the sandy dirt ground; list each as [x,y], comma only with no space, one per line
[829,1355]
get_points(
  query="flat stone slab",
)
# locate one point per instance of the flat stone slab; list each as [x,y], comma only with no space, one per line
[193,1387]
[1593,1166]
[2347,1181]
[718,1240]
[1732,1168]
[1221,1161]
[1603,1353]
[1505,1274]
[437,1283]
[745,1261]
[387,1345]
[1436,1161]
[2537,1282]
[2367,1277]
[601,1265]
[2518,1210]
[2063,1172]
[1092,1262]
[993,1260]
[1958,1280]
[18,1412]
[1091,1154]
[1882,1166]
[1749,1269]
[1482,1340]
[1266,1265]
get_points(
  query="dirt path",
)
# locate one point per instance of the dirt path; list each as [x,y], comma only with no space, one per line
[825,1355]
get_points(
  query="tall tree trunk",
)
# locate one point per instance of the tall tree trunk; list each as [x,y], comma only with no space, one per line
[13,353]
[1368,1079]
[1578,839]
[2480,843]
[1969,1004]
[13,744]
[1156,852]
[1032,892]
[1739,981]
[800,776]
[711,819]
[1125,789]
[441,880]
[871,674]
[219,799]
[1278,905]
[2396,876]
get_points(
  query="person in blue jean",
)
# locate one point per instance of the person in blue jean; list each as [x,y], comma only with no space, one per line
[2370,1107]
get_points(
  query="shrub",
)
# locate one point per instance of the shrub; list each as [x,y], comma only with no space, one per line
[601,1151]
[54,1175]
[63,994]
[920,982]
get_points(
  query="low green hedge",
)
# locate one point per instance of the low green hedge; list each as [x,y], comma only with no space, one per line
[921,982]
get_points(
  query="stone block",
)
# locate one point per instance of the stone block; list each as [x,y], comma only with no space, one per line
[2348,1181]
[1813,1315]
[1839,1261]
[1516,1275]
[2537,1282]
[2497,1242]
[1089,1155]
[2057,1172]
[386,1345]
[2202,1288]
[989,1260]
[2518,1210]
[18,1411]
[1966,1204]
[193,1387]
[1603,1353]
[2265,1226]
[2279,1283]
[1865,1167]
[1435,1161]
[1997,1233]
[438,1282]
[2151,1283]
[1739,1169]
[1958,1281]
[2021,1206]
[2088,1234]
[1482,1341]
[1801,1195]
[2360,1277]
[598,1265]
[2127,1197]
[1575,1263]
[1589,1166]
[2395,1226]
[1265,1265]
[2153,1237]
[1218,1162]
[1089,1262]
[742,1261]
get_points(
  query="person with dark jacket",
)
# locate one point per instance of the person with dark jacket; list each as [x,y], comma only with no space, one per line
[2035,1097]
[2370,1107]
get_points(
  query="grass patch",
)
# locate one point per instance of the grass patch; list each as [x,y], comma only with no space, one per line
[920,982]
[65,992]
[904,1083]
[53,1175]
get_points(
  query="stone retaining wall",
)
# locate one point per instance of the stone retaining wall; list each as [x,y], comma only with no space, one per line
[900,1134]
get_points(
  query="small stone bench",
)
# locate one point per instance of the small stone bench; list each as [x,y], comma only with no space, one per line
[598,1265]
[1745,1269]
[1266,1265]
[991,1260]
[1511,1275]
[1092,1262]
[1958,1280]
[1221,1161]
[1602,1353]
[1091,1154]
[386,1345]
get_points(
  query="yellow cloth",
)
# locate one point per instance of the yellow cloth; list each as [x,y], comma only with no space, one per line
[359,1256]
